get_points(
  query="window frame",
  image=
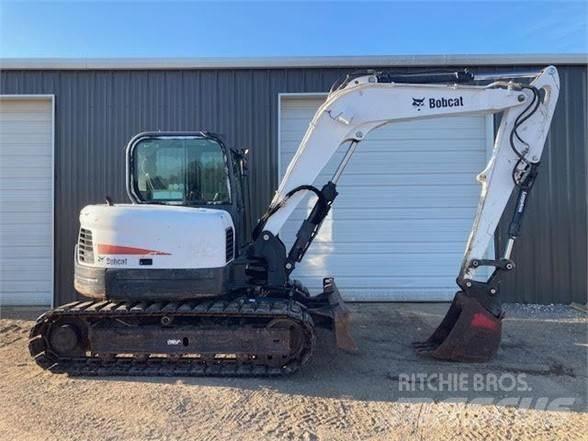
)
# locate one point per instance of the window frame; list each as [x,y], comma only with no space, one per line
[132,184]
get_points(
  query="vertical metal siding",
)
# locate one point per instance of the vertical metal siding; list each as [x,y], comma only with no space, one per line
[98,111]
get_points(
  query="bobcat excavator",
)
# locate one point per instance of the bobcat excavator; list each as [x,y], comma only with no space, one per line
[177,287]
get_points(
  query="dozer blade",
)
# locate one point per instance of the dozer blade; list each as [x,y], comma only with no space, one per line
[341,317]
[468,333]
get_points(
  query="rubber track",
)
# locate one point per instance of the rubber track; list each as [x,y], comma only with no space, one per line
[168,366]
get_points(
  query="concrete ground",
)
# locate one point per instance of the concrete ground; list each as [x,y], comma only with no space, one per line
[536,388]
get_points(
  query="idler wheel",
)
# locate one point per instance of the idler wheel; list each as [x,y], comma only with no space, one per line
[296,334]
[64,338]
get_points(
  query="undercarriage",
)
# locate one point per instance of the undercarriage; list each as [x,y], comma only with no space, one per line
[245,336]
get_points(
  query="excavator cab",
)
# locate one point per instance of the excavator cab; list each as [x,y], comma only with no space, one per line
[191,169]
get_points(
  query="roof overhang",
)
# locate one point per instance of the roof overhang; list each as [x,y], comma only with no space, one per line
[288,62]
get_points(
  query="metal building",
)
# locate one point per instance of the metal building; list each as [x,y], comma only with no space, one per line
[64,124]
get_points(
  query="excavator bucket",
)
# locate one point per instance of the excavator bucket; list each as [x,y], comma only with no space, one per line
[468,333]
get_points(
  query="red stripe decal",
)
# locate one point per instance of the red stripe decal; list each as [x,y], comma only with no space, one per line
[116,249]
[482,321]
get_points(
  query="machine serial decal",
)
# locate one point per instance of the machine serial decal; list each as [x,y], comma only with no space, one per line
[118,250]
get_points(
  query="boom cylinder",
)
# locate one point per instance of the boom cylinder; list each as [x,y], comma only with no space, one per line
[514,228]
[344,162]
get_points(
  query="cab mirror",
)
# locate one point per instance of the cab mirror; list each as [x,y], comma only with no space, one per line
[243,157]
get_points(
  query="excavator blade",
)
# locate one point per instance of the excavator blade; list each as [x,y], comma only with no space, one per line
[343,337]
[341,317]
[468,333]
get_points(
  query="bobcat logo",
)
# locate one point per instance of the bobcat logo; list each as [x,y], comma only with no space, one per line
[418,103]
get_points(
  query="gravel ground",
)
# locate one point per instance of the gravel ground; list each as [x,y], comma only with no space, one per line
[536,388]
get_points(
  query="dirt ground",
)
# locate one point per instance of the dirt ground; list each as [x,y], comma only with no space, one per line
[535,389]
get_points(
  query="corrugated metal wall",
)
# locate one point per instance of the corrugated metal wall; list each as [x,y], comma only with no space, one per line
[98,111]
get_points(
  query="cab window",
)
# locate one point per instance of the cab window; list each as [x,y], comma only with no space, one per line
[191,171]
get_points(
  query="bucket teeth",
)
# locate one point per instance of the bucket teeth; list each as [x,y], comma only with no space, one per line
[421,347]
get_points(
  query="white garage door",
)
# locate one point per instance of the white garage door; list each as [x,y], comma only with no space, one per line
[26,195]
[406,203]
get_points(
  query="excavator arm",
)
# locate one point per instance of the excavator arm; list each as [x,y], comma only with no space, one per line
[363,103]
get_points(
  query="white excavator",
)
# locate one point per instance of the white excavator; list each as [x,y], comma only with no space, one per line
[177,285]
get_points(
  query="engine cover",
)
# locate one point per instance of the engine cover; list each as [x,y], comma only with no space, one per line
[153,251]
[127,236]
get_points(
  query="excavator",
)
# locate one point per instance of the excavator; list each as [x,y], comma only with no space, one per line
[175,284]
